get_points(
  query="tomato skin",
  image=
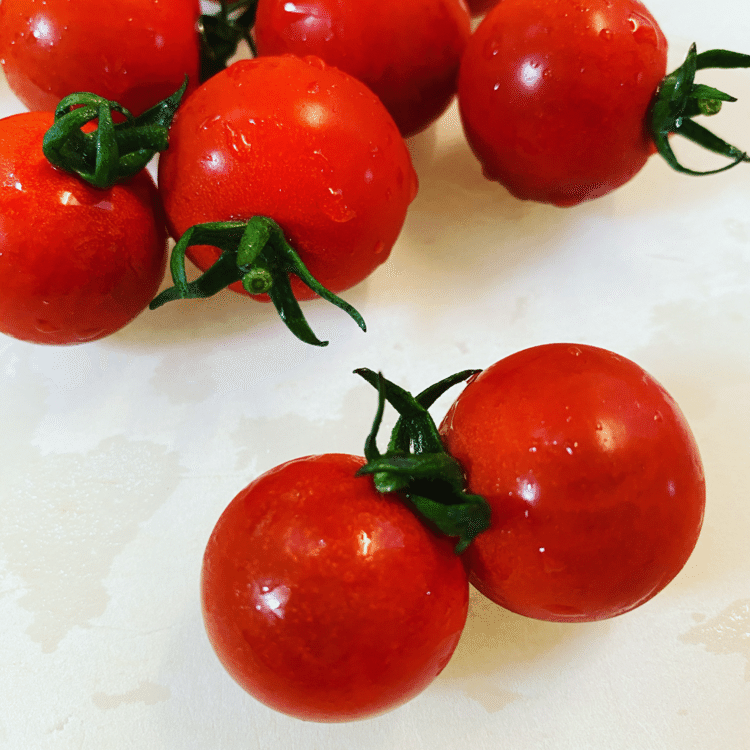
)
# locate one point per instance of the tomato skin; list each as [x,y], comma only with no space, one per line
[594,479]
[477,7]
[138,55]
[554,95]
[408,52]
[302,143]
[76,263]
[327,600]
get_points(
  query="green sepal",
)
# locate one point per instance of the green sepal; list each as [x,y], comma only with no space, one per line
[679,99]
[464,520]
[113,151]
[222,32]
[256,253]
[429,479]
[400,437]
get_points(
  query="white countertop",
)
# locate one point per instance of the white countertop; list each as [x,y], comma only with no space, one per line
[118,457]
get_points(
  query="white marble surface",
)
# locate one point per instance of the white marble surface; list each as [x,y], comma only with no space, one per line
[118,457]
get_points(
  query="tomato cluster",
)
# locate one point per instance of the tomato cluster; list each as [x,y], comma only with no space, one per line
[285,142]
[309,135]
[333,587]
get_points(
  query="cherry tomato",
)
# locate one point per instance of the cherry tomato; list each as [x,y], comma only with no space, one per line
[593,476]
[135,52]
[554,95]
[302,143]
[327,600]
[407,52]
[76,263]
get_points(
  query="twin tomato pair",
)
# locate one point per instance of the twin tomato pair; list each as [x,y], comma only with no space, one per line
[331,601]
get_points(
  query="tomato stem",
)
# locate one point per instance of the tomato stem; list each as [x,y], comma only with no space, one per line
[679,99]
[222,32]
[429,478]
[256,253]
[112,152]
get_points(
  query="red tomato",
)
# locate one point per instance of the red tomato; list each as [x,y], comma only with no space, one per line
[135,52]
[554,95]
[76,263]
[302,143]
[327,600]
[407,52]
[593,476]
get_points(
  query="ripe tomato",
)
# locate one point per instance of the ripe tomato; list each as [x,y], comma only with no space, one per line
[593,476]
[302,143]
[76,263]
[408,52]
[327,600]
[138,54]
[554,95]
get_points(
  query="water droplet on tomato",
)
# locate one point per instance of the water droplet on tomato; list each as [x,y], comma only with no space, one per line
[379,247]
[208,122]
[491,48]
[575,351]
[606,34]
[235,139]
[311,19]
[334,207]
[658,417]
[90,334]
[313,88]
[643,31]
[45,326]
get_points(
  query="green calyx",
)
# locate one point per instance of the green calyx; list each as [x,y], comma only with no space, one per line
[255,253]
[113,151]
[679,99]
[222,32]
[416,464]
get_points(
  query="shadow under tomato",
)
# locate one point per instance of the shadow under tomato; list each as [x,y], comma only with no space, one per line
[499,648]
[229,316]
[461,225]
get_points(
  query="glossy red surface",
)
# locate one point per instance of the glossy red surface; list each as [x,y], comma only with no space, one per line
[327,600]
[76,263]
[477,7]
[554,95]
[594,479]
[135,52]
[298,141]
[407,52]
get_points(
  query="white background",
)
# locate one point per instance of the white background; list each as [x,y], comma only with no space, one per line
[118,457]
